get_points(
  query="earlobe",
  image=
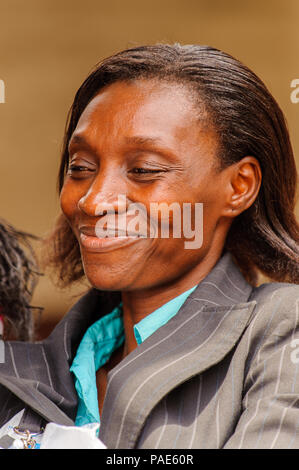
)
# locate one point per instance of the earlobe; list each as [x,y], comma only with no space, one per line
[245,181]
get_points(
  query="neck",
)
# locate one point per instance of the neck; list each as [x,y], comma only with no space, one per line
[140,303]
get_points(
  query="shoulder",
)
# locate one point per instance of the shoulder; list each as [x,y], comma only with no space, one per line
[281,297]
[275,319]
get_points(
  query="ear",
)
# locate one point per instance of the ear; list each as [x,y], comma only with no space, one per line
[243,184]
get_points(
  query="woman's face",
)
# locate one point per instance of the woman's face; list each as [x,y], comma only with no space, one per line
[142,142]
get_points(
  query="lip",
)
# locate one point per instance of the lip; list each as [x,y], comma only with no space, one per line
[90,242]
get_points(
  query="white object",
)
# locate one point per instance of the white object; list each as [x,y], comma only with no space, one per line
[57,436]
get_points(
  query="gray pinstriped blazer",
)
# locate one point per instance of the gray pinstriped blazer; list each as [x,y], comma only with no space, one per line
[222,373]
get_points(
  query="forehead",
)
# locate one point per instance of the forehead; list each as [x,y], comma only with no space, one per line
[143,107]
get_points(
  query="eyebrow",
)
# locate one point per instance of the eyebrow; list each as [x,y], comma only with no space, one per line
[157,144]
[79,139]
[143,140]
[137,140]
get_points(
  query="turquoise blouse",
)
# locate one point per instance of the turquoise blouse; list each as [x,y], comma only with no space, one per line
[100,341]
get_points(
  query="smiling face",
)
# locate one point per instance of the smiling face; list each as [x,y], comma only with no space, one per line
[143,140]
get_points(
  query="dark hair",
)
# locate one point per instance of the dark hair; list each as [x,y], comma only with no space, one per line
[248,121]
[18,277]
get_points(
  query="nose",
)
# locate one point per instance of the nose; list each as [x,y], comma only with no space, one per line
[108,193]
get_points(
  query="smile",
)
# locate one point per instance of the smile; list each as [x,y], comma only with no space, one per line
[100,245]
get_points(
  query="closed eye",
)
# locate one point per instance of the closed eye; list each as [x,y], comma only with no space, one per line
[78,168]
[144,170]
[79,171]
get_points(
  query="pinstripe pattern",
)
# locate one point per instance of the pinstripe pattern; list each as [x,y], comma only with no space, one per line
[160,371]
[196,413]
[218,425]
[218,375]
[13,361]
[157,444]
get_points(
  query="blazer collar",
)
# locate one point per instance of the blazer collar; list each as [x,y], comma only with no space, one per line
[205,329]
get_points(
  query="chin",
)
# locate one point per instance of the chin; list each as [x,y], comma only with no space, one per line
[108,279]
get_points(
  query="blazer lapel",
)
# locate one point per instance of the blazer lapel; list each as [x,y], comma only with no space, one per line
[204,330]
[36,400]
[38,373]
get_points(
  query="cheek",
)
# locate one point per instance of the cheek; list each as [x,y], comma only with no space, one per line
[69,198]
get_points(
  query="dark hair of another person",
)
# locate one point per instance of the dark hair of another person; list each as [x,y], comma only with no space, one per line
[248,121]
[18,277]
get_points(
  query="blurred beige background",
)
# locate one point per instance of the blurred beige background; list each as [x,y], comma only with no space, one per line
[47,47]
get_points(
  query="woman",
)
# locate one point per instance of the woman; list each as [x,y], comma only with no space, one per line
[173,347]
